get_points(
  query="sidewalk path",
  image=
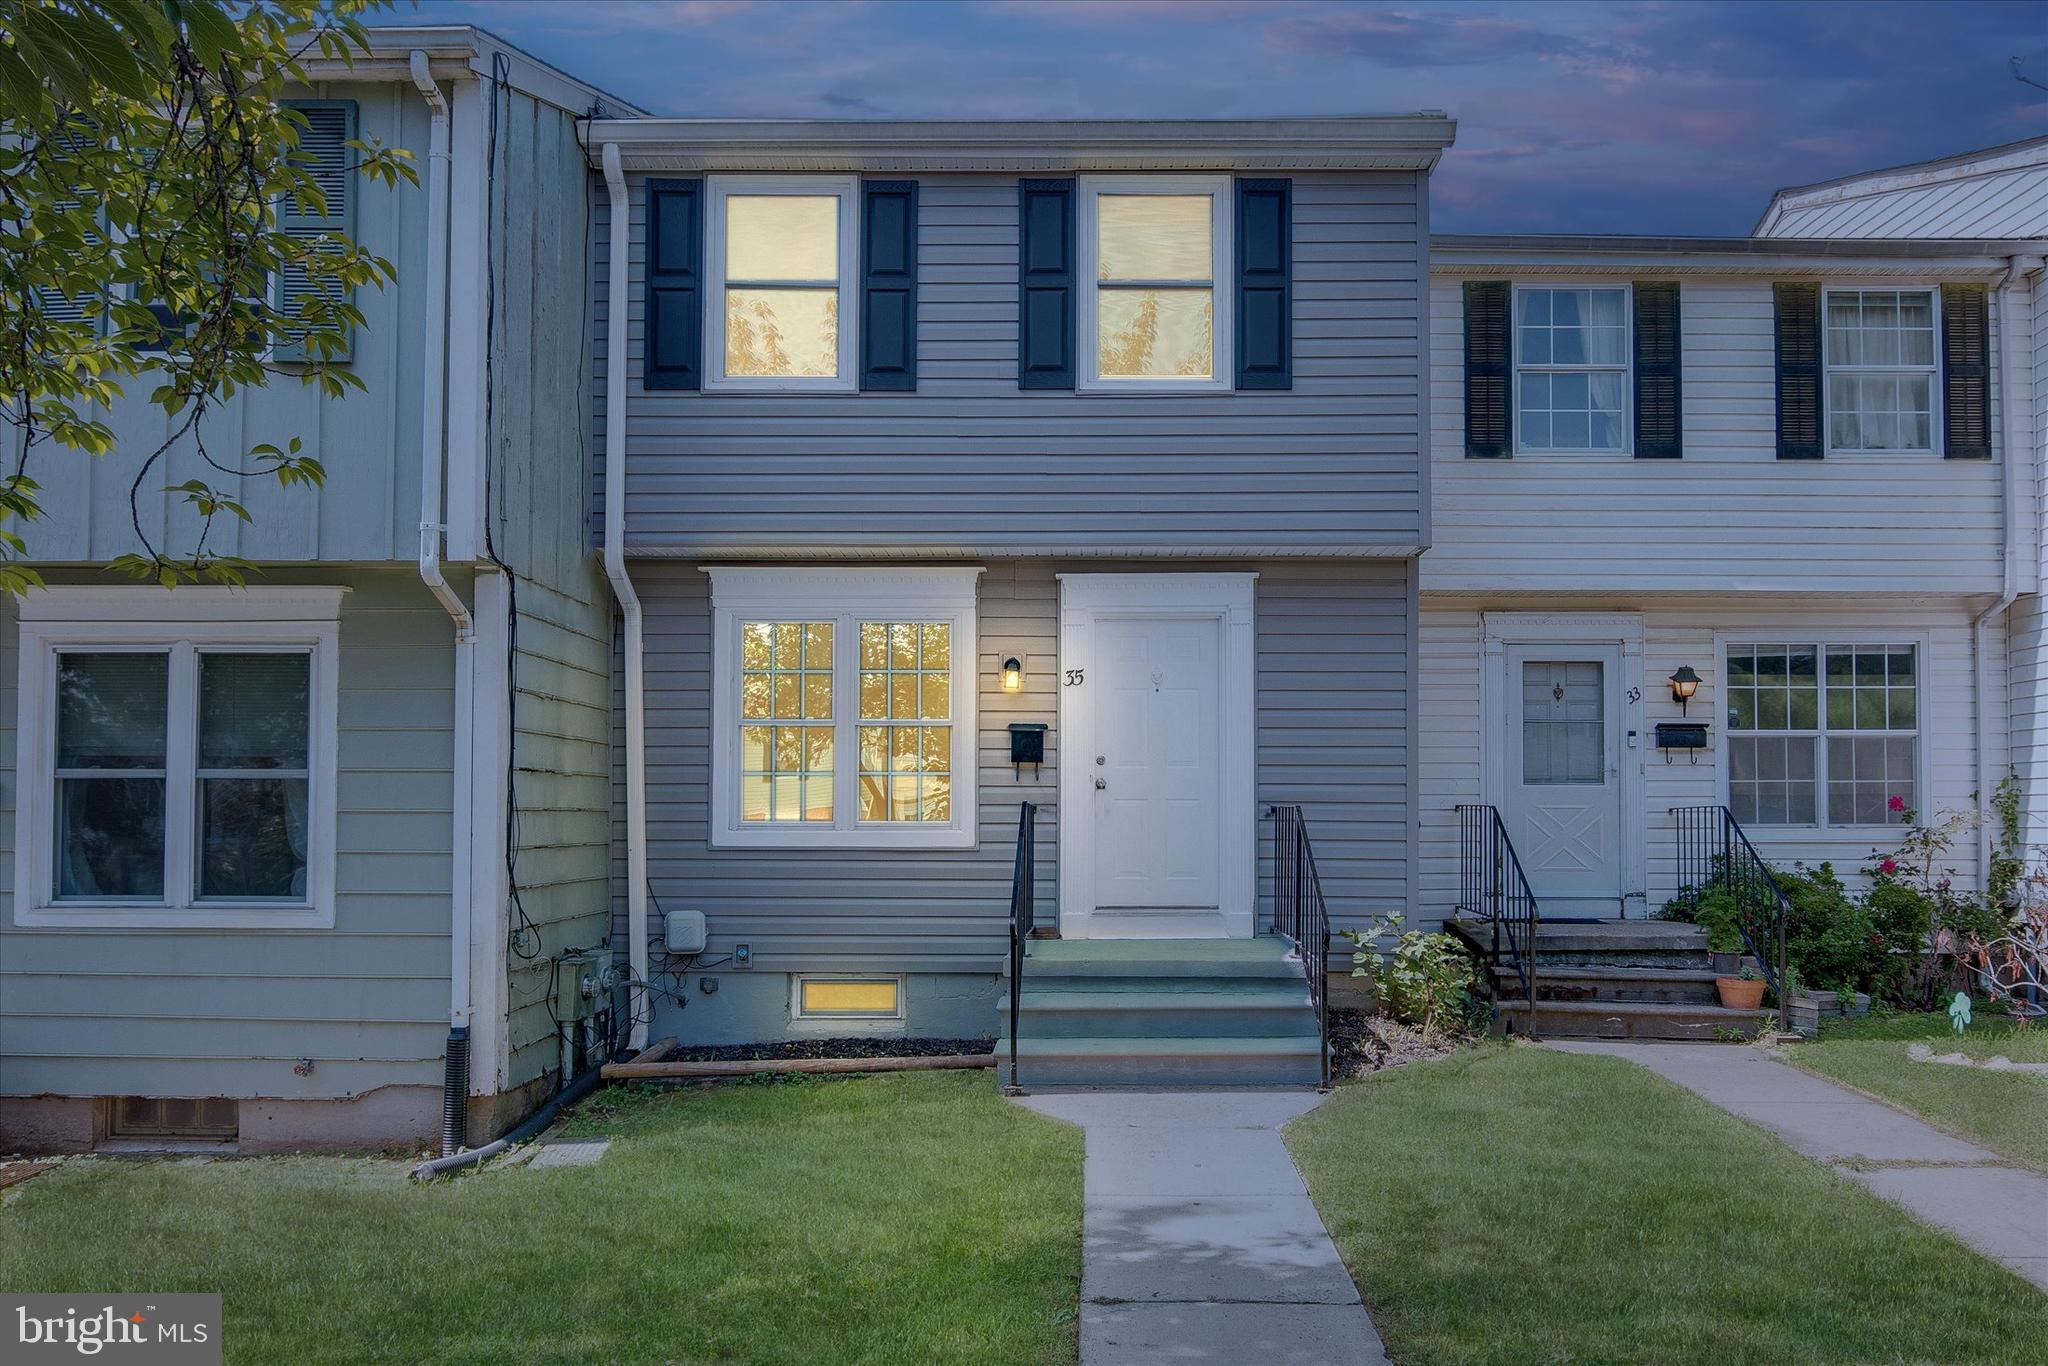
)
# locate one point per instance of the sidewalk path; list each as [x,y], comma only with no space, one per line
[1995,1205]
[1199,1242]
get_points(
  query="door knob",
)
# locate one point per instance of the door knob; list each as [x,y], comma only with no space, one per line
[1100,785]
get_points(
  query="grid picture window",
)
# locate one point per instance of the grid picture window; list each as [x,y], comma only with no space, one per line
[906,735]
[1153,312]
[1822,734]
[842,699]
[786,728]
[183,776]
[1881,369]
[782,264]
[1571,370]
[1564,727]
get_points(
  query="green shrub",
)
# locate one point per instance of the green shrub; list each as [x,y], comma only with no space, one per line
[1428,980]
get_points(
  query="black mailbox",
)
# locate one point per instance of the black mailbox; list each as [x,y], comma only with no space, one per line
[1690,736]
[1027,744]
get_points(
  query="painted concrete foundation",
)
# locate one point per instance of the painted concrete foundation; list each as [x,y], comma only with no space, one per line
[753,1006]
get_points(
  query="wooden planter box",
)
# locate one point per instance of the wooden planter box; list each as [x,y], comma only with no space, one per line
[1809,1008]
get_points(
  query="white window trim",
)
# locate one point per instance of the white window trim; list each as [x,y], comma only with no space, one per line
[59,619]
[1627,367]
[1223,267]
[1821,639]
[801,1019]
[1937,443]
[720,187]
[845,596]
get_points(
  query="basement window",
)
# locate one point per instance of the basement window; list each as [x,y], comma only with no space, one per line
[848,998]
[215,1118]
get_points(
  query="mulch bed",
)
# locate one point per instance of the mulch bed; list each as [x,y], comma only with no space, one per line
[871,1047]
[1362,1043]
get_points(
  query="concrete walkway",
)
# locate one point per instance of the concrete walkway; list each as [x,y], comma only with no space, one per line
[1199,1242]
[1994,1205]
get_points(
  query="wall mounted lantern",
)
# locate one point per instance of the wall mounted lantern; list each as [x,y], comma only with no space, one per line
[1013,674]
[1684,684]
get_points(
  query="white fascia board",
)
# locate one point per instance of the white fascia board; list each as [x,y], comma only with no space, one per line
[1453,264]
[182,607]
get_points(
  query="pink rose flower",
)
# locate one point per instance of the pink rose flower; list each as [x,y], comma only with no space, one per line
[1888,867]
[1897,803]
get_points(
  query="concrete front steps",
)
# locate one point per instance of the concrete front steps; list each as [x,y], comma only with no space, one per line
[1157,1014]
[1617,979]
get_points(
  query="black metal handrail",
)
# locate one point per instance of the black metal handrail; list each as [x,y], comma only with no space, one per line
[1714,852]
[1023,907]
[1302,915]
[1493,888]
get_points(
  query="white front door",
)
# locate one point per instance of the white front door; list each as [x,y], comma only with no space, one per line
[1155,788]
[1563,780]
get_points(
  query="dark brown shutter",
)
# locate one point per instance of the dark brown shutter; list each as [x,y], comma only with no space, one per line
[1799,405]
[1966,372]
[1660,414]
[1489,423]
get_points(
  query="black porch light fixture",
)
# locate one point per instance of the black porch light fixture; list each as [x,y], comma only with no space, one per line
[1684,684]
[1013,674]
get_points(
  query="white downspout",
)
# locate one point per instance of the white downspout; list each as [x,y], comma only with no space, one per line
[433,458]
[615,368]
[2018,470]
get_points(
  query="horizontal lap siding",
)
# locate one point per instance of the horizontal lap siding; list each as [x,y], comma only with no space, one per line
[368,506]
[229,1012]
[1677,633]
[1331,728]
[968,464]
[2029,621]
[1729,515]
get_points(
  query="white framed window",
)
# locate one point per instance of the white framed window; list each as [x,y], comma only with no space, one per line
[1881,349]
[176,758]
[1572,391]
[783,256]
[843,707]
[1823,733]
[1155,306]
[845,997]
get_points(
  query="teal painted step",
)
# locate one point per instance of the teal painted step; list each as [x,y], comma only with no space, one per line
[1258,1008]
[1266,956]
[1164,1063]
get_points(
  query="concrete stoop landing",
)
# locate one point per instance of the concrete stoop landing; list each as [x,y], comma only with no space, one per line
[1617,979]
[1154,1014]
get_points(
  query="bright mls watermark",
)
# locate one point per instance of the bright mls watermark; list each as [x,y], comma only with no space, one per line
[177,1330]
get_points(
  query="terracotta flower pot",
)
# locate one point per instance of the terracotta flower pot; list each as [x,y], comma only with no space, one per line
[1739,993]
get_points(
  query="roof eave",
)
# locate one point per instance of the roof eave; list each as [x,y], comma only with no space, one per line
[1464,255]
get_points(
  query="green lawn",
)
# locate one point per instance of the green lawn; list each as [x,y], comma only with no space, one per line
[1512,1204]
[2005,1111]
[888,1219]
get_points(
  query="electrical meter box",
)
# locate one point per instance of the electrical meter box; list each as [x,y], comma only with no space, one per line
[582,985]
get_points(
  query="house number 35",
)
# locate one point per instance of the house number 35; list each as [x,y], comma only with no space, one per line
[1075,677]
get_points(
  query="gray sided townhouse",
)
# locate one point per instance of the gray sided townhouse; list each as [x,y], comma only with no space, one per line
[254,883]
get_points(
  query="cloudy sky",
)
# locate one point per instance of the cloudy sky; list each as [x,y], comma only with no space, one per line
[1675,117]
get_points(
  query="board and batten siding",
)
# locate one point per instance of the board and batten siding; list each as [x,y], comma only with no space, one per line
[92,1012]
[970,466]
[369,441]
[1333,697]
[1683,631]
[1728,516]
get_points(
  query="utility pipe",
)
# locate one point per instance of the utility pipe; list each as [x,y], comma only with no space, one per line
[535,1122]
[433,459]
[2018,467]
[615,367]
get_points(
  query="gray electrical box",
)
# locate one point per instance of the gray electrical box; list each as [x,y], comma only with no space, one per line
[683,931]
[582,985]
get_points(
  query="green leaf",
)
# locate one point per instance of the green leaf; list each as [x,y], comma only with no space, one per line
[20,88]
[105,54]
[210,32]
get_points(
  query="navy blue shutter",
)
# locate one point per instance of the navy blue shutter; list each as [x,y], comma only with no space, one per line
[1489,422]
[674,356]
[1660,401]
[1965,372]
[888,306]
[1045,284]
[1265,284]
[1797,310]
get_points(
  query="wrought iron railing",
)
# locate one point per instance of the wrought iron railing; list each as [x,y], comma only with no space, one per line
[1493,888]
[1301,914]
[1023,905]
[1714,855]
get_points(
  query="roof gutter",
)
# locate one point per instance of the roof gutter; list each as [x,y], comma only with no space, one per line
[433,459]
[2018,470]
[618,268]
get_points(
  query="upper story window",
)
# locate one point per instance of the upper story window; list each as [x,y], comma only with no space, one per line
[1152,312]
[780,313]
[183,772]
[1571,352]
[1881,370]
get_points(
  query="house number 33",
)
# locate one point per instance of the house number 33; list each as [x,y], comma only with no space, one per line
[1075,677]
